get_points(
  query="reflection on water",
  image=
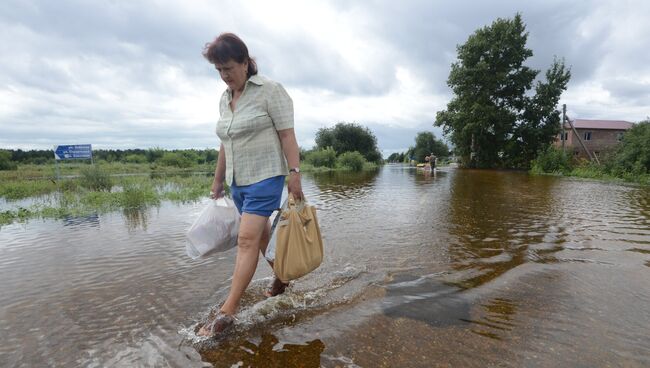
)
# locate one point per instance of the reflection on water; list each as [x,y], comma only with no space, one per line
[461,268]
[498,315]
[495,218]
[136,218]
[90,220]
[344,180]
[267,352]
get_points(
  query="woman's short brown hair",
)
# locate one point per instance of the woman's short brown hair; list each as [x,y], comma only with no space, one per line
[226,47]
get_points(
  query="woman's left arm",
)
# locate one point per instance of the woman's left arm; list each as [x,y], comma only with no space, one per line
[292,153]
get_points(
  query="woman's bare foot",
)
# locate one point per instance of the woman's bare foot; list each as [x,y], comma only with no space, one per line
[219,324]
[276,288]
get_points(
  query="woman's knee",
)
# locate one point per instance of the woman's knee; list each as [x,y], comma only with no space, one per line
[248,241]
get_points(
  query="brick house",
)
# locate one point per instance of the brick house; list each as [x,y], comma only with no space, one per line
[597,135]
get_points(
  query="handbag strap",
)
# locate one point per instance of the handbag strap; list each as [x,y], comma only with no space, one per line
[277,217]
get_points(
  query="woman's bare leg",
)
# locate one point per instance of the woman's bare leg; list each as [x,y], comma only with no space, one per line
[278,286]
[252,229]
[264,243]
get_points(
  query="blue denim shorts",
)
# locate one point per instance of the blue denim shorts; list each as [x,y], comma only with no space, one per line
[261,198]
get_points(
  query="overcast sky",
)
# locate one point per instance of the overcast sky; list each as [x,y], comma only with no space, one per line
[129,74]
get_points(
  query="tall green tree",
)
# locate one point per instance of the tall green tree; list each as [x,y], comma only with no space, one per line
[493,120]
[426,144]
[349,137]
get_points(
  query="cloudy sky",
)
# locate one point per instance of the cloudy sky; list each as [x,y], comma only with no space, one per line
[129,74]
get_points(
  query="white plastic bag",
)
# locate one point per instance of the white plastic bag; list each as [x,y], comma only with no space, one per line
[215,230]
[270,248]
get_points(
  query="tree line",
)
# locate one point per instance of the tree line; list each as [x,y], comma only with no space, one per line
[9,159]
[349,145]
[426,144]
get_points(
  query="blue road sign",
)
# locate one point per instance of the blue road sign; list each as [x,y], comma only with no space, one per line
[73,152]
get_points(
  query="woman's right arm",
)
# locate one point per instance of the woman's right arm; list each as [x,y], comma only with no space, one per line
[219,175]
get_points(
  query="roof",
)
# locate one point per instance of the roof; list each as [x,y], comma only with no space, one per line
[600,124]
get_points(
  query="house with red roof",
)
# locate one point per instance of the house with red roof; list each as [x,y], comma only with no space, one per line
[597,135]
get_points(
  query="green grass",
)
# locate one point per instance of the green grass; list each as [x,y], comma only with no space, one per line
[49,171]
[598,173]
[70,198]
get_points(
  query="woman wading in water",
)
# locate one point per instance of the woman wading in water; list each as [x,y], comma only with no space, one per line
[258,150]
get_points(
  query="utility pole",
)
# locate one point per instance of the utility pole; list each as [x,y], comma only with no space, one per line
[591,157]
[563,125]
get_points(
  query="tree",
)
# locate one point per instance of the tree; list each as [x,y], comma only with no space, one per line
[493,120]
[349,137]
[633,155]
[394,157]
[426,144]
[5,161]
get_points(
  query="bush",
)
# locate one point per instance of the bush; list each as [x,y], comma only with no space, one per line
[175,159]
[633,155]
[136,159]
[94,178]
[154,154]
[137,196]
[325,157]
[5,161]
[192,156]
[353,160]
[374,156]
[552,160]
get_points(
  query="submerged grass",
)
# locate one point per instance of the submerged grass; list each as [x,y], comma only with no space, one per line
[66,169]
[71,198]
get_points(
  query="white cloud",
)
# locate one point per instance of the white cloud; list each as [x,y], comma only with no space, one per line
[130,74]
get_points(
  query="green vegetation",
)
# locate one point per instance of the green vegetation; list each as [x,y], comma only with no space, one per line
[94,178]
[425,144]
[138,156]
[552,160]
[345,146]
[175,159]
[396,157]
[353,160]
[493,120]
[633,155]
[322,157]
[349,137]
[5,161]
[630,161]
[70,198]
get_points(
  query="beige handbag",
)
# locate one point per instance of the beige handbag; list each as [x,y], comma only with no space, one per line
[299,245]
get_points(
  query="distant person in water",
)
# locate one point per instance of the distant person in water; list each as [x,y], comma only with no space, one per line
[258,150]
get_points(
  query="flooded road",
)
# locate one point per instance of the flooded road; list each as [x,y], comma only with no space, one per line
[461,268]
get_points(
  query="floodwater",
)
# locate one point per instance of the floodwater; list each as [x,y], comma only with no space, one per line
[462,268]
